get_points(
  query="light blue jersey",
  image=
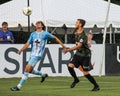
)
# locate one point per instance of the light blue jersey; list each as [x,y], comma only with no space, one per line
[38,41]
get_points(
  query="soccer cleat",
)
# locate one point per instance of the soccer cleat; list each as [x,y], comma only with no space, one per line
[74,83]
[96,88]
[14,88]
[44,76]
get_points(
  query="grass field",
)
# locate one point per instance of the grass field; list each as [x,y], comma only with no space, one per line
[59,86]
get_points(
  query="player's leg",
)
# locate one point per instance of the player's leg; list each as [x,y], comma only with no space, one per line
[74,63]
[93,81]
[44,76]
[73,74]
[85,69]
[36,72]
[33,62]
[72,71]
[28,69]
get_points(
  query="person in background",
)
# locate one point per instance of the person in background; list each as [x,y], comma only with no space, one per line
[6,37]
[90,39]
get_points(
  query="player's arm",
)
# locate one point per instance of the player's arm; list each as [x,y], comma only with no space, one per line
[58,40]
[24,47]
[79,44]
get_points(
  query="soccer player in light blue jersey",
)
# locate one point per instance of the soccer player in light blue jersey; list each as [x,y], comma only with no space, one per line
[37,40]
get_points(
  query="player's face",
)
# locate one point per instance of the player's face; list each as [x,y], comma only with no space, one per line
[38,25]
[77,24]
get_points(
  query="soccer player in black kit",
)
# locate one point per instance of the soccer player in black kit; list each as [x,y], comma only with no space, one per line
[82,57]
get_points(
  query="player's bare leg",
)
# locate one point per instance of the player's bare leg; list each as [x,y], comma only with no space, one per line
[28,69]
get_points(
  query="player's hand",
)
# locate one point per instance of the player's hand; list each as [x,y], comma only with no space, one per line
[19,52]
[65,50]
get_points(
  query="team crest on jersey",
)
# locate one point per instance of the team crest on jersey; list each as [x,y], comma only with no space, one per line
[37,42]
[81,40]
[41,35]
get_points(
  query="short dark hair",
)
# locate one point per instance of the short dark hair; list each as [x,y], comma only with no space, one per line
[42,24]
[89,33]
[82,21]
[4,23]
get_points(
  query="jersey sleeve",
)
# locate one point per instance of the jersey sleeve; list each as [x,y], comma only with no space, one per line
[83,39]
[49,35]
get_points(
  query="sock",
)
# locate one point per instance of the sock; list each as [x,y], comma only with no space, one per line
[91,79]
[23,79]
[72,72]
[36,72]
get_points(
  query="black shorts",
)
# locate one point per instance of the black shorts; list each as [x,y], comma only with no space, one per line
[85,62]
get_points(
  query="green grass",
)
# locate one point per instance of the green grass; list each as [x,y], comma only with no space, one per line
[59,86]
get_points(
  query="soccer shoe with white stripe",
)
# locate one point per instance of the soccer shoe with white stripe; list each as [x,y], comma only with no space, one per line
[15,88]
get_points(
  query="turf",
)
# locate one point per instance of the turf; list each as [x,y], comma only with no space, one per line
[59,86]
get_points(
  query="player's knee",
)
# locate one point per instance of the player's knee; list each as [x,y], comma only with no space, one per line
[28,68]
[80,68]
[71,65]
[85,72]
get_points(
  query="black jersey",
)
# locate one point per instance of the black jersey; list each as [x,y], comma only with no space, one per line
[84,50]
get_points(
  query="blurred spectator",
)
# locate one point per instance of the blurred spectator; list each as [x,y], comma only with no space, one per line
[6,37]
[90,39]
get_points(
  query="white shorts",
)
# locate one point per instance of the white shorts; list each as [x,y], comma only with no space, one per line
[33,60]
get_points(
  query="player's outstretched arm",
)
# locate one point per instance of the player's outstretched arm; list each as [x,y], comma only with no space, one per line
[72,48]
[24,47]
[58,40]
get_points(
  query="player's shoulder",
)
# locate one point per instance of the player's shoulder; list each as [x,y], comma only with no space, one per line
[45,32]
[83,35]
[34,32]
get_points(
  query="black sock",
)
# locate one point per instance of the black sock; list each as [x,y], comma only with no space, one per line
[91,79]
[72,72]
